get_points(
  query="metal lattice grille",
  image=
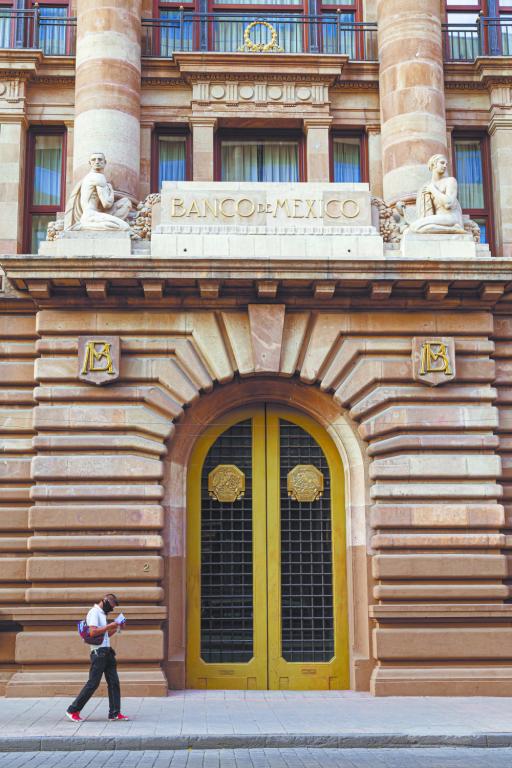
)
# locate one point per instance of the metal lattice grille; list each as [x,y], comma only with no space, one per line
[226,556]
[307,632]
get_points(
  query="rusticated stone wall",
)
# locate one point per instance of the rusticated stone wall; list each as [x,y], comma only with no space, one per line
[84,486]
[17,353]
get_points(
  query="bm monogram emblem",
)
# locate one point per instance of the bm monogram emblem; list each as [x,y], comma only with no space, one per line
[433,360]
[98,359]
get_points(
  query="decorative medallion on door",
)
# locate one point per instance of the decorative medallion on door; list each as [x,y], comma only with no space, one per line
[305,483]
[266,583]
[226,483]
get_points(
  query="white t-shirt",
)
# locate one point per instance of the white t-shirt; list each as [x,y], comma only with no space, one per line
[98,618]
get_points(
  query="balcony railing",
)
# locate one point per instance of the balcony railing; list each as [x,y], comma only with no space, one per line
[184,31]
[488,37]
[41,28]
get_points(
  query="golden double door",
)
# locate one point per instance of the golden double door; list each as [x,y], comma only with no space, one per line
[266,583]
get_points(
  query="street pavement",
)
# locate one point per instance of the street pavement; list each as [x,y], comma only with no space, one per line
[265,758]
[257,719]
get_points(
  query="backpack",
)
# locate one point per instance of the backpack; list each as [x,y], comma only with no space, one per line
[85,633]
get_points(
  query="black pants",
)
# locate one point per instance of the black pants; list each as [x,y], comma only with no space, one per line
[103,662]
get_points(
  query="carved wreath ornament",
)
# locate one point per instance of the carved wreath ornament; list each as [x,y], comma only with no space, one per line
[252,47]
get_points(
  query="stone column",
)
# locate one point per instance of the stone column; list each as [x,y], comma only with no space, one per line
[107,90]
[374,159]
[413,120]
[500,130]
[203,147]
[317,148]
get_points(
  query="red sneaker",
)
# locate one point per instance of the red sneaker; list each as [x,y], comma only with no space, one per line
[118,717]
[74,716]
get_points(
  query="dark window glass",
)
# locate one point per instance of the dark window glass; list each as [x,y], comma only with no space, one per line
[473,183]
[469,173]
[307,614]
[172,159]
[53,29]
[6,26]
[260,160]
[46,181]
[227,611]
[346,159]
[47,170]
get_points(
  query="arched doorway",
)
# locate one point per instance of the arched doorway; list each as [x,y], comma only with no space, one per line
[266,574]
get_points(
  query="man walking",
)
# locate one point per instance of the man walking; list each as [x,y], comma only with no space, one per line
[103,661]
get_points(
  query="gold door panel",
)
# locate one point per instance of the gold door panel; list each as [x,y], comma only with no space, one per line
[266,585]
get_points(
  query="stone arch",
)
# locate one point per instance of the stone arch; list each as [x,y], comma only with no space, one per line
[321,407]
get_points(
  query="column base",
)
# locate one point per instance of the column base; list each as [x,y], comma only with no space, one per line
[137,682]
[446,247]
[442,681]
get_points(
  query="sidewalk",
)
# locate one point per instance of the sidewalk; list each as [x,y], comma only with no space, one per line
[215,719]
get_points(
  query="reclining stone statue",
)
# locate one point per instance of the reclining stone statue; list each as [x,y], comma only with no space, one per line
[437,206]
[94,205]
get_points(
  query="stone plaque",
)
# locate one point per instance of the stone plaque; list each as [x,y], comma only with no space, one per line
[305,483]
[98,359]
[433,360]
[226,483]
[299,206]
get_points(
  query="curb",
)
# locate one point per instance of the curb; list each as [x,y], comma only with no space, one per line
[252,741]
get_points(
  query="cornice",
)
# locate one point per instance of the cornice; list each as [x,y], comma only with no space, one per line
[499,121]
[20,62]
[50,80]
[21,268]
[355,85]
[237,66]
[167,82]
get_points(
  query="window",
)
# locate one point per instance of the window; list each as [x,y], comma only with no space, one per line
[7,25]
[170,156]
[471,164]
[478,27]
[45,182]
[348,158]
[252,158]
[463,35]
[500,31]
[328,28]
[53,29]
[44,25]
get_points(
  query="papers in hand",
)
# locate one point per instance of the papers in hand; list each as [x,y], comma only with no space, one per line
[120,619]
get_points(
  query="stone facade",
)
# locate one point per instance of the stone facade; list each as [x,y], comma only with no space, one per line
[401,351]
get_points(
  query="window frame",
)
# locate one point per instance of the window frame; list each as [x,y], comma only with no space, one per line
[353,133]
[253,134]
[69,31]
[41,210]
[478,213]
[450,8]
[8,5]
[202,18]
[483,8]
[169,130]
[305,7]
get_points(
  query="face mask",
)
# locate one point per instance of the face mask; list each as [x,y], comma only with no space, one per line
[107,607]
